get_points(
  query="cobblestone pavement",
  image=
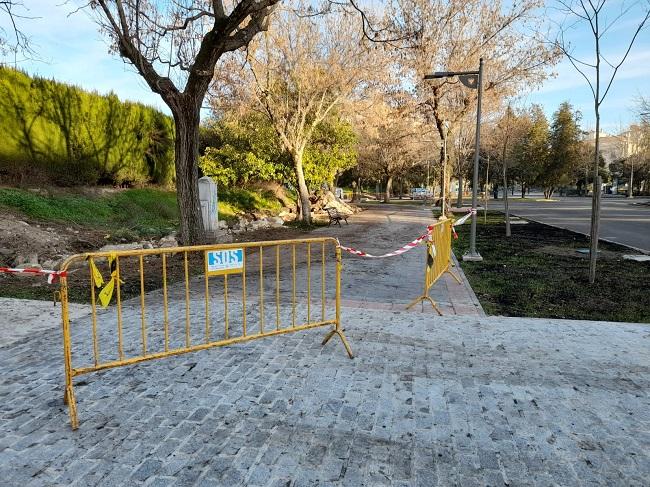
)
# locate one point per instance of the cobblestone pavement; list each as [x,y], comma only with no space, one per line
[20,318]
[427,401]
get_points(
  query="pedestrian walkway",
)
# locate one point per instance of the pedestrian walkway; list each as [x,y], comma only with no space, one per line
[392,283]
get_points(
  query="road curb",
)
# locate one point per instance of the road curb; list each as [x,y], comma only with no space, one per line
[642,251]
[472,295]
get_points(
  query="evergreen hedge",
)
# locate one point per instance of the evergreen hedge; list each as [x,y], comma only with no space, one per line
[62,134]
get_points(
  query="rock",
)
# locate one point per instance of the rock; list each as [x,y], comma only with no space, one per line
[121,247]
[275,221]
[168,241]
[49,264]
[5,251]
[19,260]
[147,245]
[223,236]
[223,224]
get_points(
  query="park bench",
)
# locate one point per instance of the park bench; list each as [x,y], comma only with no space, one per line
[335,217]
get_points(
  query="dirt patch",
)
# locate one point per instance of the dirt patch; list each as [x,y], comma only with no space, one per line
[46,244]
[52,244]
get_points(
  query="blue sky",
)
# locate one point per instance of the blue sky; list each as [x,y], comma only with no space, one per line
[71,49]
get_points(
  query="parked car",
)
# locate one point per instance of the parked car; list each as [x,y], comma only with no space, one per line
[421,193]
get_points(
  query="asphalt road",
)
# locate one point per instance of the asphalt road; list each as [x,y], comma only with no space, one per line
[622,221]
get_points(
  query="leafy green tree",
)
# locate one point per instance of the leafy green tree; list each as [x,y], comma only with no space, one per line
[565,150]
[243,150]
[331,152]
[248,149]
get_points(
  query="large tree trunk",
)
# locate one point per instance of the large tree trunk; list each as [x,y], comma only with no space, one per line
[389,187]
[303,192]
[186,156]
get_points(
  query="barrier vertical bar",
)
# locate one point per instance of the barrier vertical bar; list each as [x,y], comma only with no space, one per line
[243,274]
[68,396]
[308,282]
[293,299]
[322,282]
[277,287]
[187,301]
[120,349]
[143,325]
[338,330]
[225,304]
[91,266]
[165,304]
[207,300]
[338,289]
[261,290]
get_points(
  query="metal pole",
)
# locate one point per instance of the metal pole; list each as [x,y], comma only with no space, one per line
[487,183]
[444,189]
[630,193]
[473,255]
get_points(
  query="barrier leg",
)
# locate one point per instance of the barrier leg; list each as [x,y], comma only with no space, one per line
[425,298]
[343,339]
[455,276]
[70,400]
[68,397]
[337,328]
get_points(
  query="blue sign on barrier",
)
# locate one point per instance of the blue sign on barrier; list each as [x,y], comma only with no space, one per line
[229,261]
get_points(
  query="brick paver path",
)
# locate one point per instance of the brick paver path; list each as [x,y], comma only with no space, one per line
[393,282]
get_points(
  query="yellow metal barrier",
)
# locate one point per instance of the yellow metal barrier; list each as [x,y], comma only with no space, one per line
[438,260]
[186,271]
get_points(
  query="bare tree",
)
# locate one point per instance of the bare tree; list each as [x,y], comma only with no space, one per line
[174,45]
[298,73]
[14,40]
[592,13]
[393,139]
[452,35]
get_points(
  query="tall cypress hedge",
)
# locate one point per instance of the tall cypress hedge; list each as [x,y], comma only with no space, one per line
[51,131]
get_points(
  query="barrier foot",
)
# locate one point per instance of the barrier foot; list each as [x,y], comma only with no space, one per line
[455,276]
[425,298]
[343,339]
[70,400]
[329,335]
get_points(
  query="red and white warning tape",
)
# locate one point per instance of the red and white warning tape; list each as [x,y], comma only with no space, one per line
[410,245]
[460,221]
[52,276]
[401,250]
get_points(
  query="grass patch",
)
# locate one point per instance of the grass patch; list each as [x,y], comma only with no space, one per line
[128,214]
[234,201]
[134,213]
[538,273]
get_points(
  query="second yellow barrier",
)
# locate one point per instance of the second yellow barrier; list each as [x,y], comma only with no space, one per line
[438,260]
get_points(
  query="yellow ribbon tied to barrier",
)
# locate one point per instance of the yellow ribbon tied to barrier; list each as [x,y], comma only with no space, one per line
[98,279]
[106,294]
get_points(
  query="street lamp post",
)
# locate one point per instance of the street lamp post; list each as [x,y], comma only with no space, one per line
[473,80]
